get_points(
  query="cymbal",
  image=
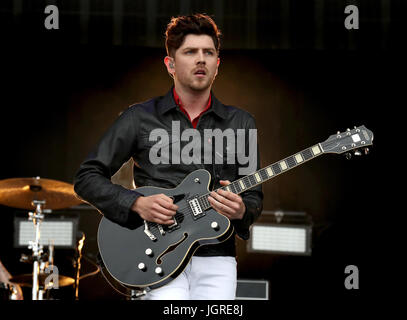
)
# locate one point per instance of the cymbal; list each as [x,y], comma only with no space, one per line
[26,280]
[20,192]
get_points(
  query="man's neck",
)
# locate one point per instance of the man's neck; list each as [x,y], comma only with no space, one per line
[194,102]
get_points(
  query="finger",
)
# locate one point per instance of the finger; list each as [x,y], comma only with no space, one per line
[219,207]
[165,198]
[162,210]
[230,195]
[224,182]
[220,198]
[167,205]
[162,219]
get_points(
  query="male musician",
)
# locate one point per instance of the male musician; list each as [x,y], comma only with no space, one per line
[192,60]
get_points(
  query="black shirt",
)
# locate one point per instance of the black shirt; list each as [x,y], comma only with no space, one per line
[131,136]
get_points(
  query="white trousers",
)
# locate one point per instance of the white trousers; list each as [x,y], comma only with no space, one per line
[204,278]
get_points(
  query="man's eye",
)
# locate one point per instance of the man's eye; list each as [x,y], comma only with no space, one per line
[209,53]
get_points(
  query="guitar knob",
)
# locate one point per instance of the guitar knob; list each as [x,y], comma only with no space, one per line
[142,266]
[215,226]
[159,271]
[149,252]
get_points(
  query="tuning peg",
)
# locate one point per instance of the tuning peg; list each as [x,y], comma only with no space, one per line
[366,150]
[357,153]
[348,155]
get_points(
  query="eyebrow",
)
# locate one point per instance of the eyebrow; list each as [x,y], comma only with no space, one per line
[196,48]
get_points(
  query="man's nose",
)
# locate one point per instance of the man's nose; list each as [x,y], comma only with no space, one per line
[200,57]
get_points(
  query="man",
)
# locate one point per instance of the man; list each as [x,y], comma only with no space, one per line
[192,44]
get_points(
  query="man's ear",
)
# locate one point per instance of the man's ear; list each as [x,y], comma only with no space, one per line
[217,67]
[169,63]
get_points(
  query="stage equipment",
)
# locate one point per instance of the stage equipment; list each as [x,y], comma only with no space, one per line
[21,192]
[248,289]
[43,195]
[58,229]
[25,280]
[281,232]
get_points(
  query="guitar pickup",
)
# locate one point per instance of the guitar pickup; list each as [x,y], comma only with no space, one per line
[197,211]
[196,208]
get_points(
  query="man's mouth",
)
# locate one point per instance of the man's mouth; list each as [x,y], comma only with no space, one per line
[200,73]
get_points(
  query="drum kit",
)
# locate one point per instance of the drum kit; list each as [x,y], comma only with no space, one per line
[40,196]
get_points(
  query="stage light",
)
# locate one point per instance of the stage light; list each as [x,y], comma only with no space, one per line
[61,232]
[281,232]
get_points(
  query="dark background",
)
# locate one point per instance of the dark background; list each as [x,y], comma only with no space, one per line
[292,64]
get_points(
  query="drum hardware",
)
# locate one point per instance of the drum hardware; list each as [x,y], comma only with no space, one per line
[36,217]
[43,195]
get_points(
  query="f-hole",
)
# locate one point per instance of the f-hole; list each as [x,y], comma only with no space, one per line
[172,248]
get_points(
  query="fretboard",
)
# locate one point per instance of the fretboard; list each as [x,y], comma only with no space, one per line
[267,173]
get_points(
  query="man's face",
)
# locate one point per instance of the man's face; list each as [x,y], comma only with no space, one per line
[196,63]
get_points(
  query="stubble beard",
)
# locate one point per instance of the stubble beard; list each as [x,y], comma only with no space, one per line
[201,85]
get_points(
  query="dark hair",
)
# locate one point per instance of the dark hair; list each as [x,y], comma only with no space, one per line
[181,26]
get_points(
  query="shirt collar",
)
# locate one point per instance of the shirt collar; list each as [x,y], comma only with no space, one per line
[167,103]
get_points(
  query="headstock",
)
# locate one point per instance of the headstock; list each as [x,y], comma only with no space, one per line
[357,139]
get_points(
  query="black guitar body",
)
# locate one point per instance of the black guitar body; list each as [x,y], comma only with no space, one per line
[153,257]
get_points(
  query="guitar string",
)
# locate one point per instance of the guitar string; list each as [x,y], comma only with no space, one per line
[180,211]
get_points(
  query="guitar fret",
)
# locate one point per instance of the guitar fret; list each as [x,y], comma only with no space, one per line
[263,174]
[307,154]
[205,202]
[232,187]
[291,162]
[247,182]
[237,187]
[276,168]
[252,180]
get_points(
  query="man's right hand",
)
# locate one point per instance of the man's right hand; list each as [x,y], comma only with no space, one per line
[157,208]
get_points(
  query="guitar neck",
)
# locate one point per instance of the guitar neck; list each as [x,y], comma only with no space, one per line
[267,173]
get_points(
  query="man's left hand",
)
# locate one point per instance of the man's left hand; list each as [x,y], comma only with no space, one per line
[227,203]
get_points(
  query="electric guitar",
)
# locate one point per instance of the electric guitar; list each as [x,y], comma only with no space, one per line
[151,255]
